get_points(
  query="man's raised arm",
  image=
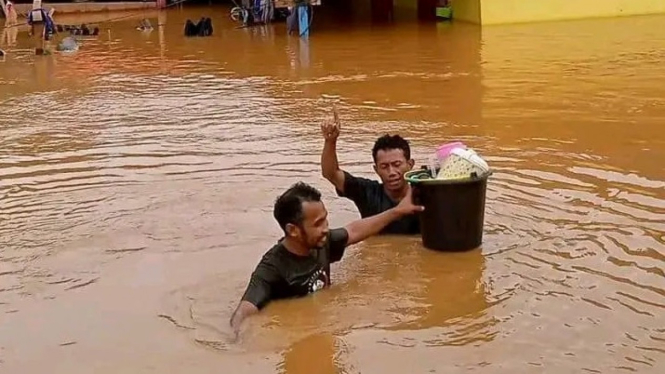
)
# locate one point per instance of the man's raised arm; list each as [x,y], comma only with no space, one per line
[329,164]
[330,167]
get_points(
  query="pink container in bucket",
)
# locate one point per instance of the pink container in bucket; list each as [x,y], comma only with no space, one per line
[444,150]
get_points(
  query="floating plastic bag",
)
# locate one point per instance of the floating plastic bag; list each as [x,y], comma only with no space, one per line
[444,150]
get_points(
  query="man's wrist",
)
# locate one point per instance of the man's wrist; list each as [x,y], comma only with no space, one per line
[398,212]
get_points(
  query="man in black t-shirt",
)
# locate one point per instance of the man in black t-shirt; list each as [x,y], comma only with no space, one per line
[392,159]
[299,263]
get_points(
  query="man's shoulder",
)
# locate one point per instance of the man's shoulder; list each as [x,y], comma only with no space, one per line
[273,253]
[361,180]
[271,264]
[369,187]
[272,258]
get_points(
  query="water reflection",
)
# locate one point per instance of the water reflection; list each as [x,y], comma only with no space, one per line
[316,353]
[595,69]
[161,25]
[452,288]
[304,53]
[9,36]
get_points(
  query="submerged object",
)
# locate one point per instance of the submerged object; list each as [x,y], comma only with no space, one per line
[82,30]
[68,44]
[190,28]
[144,25]
[42,52]
[202,28]
[205,27]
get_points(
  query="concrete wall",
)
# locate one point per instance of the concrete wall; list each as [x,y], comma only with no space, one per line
[488,12]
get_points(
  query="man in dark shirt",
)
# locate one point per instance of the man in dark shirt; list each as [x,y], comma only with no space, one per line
[299,263]
[392,159]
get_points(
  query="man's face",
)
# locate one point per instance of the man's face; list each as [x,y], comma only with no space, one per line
[391,165]
[314,228]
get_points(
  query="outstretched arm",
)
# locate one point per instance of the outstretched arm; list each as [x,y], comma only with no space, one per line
[364,228]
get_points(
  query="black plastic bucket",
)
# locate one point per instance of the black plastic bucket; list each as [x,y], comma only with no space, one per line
[454,215]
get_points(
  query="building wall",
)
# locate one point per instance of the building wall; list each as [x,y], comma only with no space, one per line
[466,10]
[489,12]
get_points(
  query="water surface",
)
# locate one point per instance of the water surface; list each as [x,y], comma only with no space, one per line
[137,178]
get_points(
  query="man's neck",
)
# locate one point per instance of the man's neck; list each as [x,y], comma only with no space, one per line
[295,247]
[396,195]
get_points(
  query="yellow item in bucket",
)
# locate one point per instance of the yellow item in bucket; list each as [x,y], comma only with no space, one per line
[461,163]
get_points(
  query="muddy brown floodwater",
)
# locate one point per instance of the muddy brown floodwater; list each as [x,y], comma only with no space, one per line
[137,178]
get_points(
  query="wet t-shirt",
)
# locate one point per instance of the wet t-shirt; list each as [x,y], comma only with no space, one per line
[371,199]
[281,274]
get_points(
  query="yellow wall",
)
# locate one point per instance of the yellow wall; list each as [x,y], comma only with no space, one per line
[490,12]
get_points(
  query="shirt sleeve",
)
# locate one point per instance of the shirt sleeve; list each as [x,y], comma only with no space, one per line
[262,284]
[338,240]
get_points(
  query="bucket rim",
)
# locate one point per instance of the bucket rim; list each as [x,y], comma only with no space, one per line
[409,178]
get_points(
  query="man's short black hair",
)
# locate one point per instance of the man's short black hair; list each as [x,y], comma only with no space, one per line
[288,206]
[388,142]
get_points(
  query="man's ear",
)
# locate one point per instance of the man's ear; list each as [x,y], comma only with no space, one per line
[375,169]
[411,163]
[292,231]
